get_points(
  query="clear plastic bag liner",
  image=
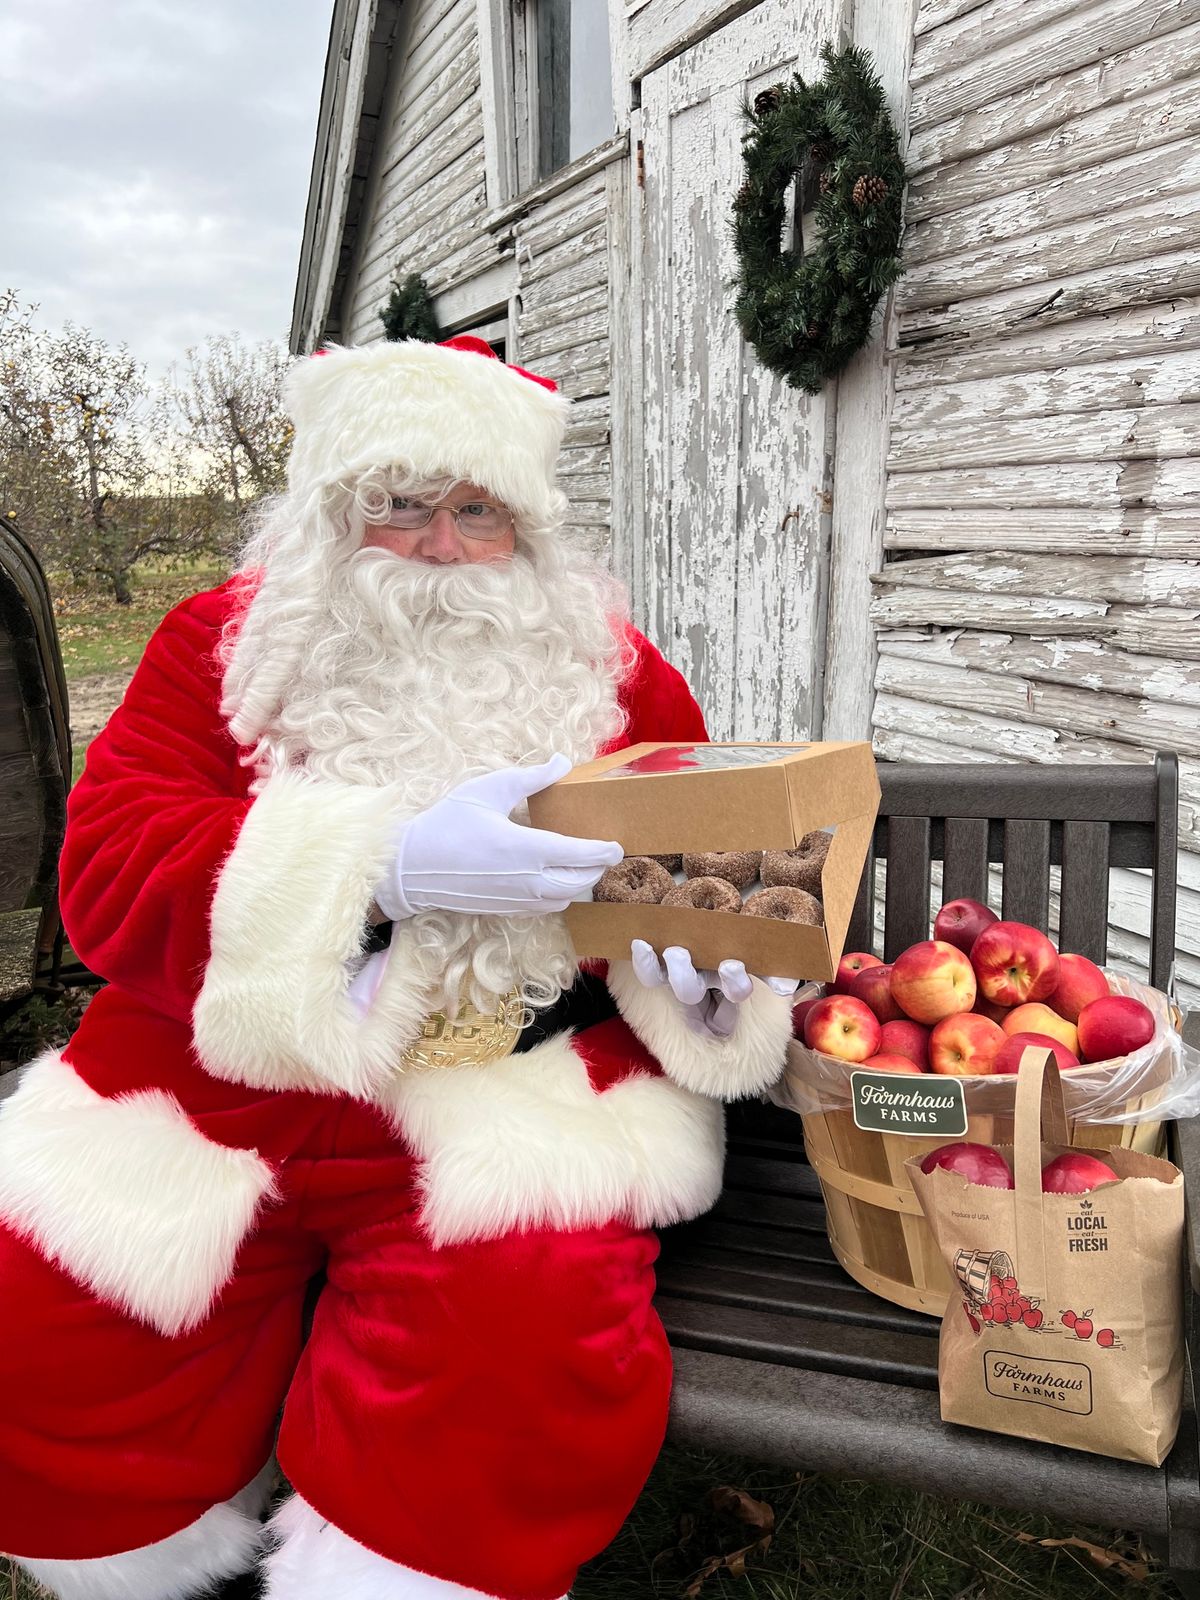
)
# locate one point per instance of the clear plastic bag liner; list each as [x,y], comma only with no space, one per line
[1157,1082]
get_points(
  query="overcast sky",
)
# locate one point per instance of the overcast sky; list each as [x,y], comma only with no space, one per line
[155,163]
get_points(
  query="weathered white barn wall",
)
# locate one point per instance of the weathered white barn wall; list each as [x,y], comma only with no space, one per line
[428,211]
[1041,600]
[735,540]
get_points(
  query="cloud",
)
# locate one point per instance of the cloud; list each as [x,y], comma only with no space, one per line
[157,161]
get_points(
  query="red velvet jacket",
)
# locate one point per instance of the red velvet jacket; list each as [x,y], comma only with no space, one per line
[225,1037]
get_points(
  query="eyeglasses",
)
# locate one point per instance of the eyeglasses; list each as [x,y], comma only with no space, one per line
[475,520]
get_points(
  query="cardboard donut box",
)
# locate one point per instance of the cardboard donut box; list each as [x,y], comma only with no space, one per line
[663,799]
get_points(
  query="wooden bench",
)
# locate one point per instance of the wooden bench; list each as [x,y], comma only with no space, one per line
[779,1354]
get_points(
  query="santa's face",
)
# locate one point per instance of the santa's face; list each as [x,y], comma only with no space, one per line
[418,673]
[468,526]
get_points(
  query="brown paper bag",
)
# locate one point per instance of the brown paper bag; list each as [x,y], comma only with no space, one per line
[1082,1343]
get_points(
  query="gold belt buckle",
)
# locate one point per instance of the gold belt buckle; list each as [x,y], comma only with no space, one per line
[470,1038]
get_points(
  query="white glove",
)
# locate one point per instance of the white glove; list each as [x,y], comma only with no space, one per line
[464,854]
[710,1000]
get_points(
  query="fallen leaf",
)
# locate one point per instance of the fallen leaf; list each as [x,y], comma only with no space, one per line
[1107,1560]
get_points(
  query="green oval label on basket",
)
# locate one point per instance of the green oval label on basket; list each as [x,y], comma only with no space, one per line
[926,1106]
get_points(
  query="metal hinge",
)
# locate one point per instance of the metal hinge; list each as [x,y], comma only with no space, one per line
[641,164]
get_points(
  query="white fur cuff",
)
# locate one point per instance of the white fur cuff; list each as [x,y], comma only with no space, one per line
[126,1195]
[289,912]
[312,1557]
[528,1143]
[749,1060]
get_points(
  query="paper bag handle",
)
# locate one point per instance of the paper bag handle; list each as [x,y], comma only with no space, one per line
[1040,1107]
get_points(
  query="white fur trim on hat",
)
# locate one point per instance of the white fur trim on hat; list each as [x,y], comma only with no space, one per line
[527,1142]
[126,1194]
[749,1060]
[223,1543]
[433,411]
[289,914]
[312,1557]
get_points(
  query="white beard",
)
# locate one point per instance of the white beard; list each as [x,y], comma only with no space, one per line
[421,677]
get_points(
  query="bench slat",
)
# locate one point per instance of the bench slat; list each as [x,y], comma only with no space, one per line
[906,897]
[1027,873]
[1083,914]
[812,1342]
[965,874]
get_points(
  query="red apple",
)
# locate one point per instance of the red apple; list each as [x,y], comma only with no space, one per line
[989,1009]
[849,968]
[1032,1319]
[873,987]
[977,1163]
[1068,1319]
[1008,1057]
[1083,1327]
[906,1039]
[799,1012]
[1014,963]
[1105,1338]
[932,980]
[888,1062]
[1080,982]
[960,922]
[1075,1173]
[965,1045]
[1114,1026]
[842,1026]
[1037,1018]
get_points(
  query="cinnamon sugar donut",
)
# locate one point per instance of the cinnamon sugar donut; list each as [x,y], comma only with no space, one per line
[738,867]
[788,905]
[799,868]
[672,863]
[635,881]
[709,894]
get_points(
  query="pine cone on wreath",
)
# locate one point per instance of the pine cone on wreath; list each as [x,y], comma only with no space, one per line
[869,191]
[813,332]
[825,182]
[745,196]
[821,151]
[767,100]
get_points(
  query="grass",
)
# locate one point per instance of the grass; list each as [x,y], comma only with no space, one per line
[830,1539]
[99,636]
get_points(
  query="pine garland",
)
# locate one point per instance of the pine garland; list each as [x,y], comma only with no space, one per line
[807,314]
[409,313]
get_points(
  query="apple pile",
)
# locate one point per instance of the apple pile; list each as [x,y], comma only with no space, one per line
[969,1001]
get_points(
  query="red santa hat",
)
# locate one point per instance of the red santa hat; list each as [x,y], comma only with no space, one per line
[433,410]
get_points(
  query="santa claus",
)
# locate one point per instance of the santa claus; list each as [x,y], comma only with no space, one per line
[345,1042]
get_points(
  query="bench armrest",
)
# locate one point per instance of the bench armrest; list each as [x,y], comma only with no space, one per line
[1185,1150]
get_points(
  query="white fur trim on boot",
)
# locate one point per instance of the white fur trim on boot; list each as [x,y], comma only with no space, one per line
[223,1543]
[526,1142]
[313,1558]
[70,1161]
[749,1060]
[289,914]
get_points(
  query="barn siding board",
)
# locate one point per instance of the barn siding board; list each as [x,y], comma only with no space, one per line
[1066,530]
[1080,36]
[1037,601]
[1161,116]
[1054,100]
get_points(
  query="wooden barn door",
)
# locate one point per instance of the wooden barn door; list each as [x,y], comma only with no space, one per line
[731,577]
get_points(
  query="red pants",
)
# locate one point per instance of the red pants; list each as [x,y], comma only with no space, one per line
[485,1412]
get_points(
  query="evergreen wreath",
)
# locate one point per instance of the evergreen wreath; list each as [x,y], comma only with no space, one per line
[806,314]
[409,313]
